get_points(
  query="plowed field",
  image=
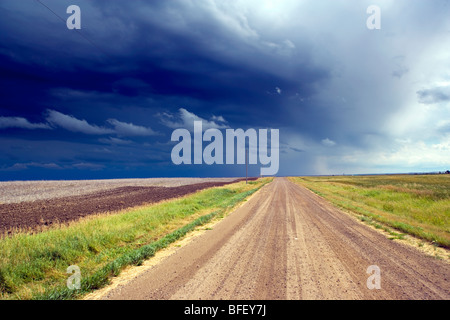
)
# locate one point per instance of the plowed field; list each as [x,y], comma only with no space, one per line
[32,215]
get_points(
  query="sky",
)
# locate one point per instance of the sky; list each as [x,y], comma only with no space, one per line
[102,101]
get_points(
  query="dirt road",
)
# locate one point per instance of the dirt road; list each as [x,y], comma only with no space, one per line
[288,243]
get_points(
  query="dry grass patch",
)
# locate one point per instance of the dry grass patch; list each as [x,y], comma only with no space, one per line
[414,204]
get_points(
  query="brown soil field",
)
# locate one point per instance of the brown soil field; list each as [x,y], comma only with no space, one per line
[20,191]
[38,214]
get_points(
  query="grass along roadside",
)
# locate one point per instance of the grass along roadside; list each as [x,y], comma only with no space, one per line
[34,266]
[417,205]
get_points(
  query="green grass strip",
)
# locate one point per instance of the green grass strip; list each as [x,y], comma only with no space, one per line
[113,269]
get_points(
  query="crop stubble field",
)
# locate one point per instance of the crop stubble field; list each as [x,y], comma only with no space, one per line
[36,205]
[21,191]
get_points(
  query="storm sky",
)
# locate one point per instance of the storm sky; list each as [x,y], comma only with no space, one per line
[103,101]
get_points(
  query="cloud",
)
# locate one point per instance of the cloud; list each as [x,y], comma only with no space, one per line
[400,69]
[88,166]
[18,122]
[54,166]
[443,126]
[213,54]
[219,119]
[115,141]
[434,95]
[185,119]
[70,123]
[73,124]
[406,155]
[129,129]
[296,149]
[25,166]
[328,143]
[286,47]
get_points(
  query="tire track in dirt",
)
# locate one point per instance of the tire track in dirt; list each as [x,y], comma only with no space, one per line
[288,243]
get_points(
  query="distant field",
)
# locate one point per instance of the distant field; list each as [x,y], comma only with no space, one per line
[20,191]
[413,204]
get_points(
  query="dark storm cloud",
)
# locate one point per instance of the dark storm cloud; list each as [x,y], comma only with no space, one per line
[155,49]
[137,69]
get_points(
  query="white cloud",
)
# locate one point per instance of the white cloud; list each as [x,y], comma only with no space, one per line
[25,166]
[115,141]
[185,119]
[129,129]
[328,143]
[120,128]
[18,122]
[416,154]
[70,123]
[73,124]
[397,156]
[219,119]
